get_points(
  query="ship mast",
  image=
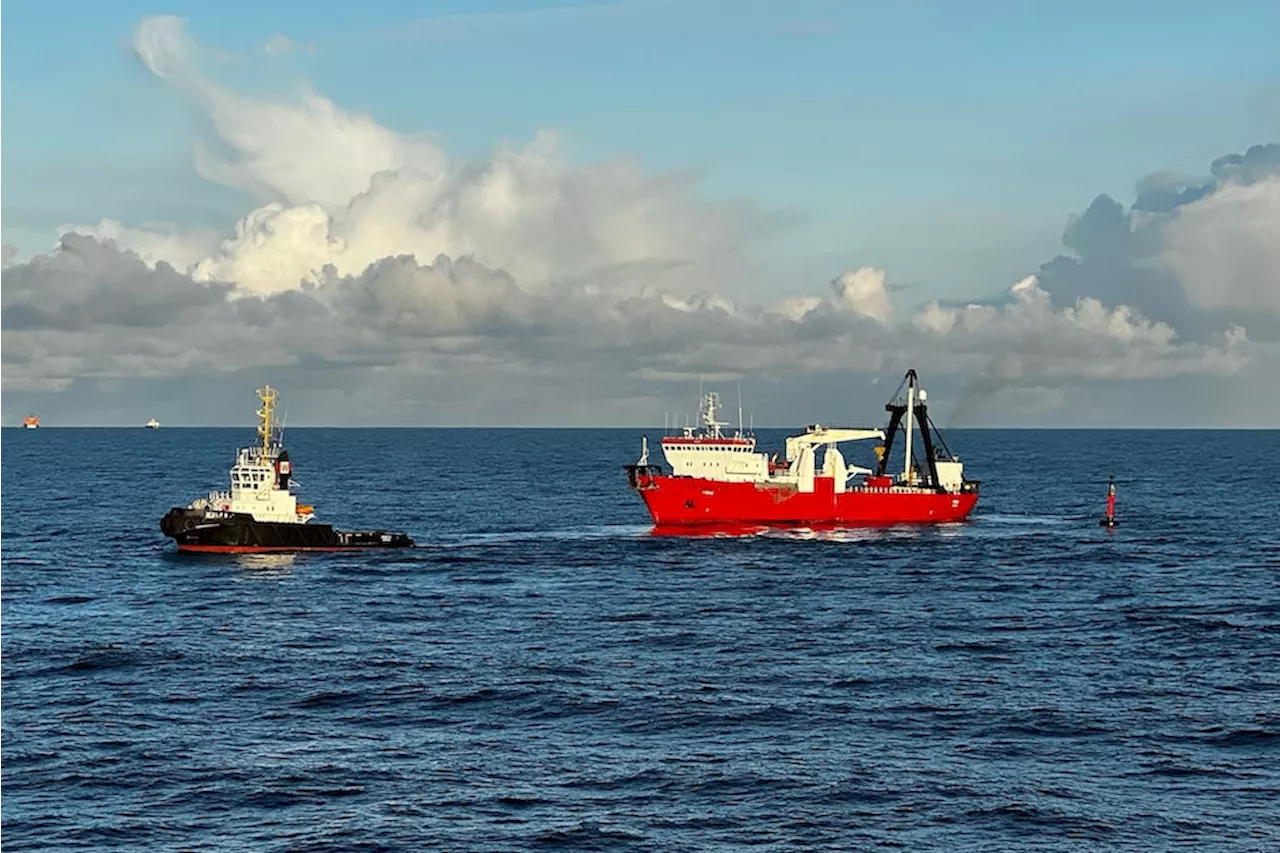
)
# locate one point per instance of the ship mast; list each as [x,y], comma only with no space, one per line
[911,406]
[740,434]
[268,396]
[711,401]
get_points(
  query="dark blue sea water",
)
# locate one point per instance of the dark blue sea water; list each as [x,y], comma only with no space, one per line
[543,674]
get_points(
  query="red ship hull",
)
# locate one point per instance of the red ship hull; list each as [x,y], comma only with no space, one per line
[682,501]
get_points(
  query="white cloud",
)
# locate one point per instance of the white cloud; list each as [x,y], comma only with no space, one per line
[281,45]
[180,249]
[275,248]
[89,310]
[372,251]
[1029,338]
[795,307]
[308,151]
[343,190]
[1225,248]
[862,291]
[162,43]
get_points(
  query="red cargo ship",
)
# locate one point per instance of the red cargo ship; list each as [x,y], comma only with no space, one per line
[718,479]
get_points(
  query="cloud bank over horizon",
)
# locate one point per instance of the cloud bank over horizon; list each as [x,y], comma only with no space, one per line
[375,265]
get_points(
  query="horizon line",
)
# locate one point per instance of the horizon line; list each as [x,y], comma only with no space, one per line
[1077,428]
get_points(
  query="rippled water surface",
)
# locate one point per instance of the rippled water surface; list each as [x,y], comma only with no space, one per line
[543,674]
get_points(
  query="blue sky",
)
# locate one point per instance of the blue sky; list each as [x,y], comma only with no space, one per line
[946,141]
[912,164]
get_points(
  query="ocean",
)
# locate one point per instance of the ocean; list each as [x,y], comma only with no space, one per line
[542,673]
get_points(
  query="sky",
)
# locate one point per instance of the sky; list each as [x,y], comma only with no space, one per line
[520,213]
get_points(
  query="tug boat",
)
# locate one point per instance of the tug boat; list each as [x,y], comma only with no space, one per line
[259,513]
[725,481]
[31,422]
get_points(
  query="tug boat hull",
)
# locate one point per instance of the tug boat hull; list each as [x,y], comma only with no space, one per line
[261,512]
[675,501]
[239,533]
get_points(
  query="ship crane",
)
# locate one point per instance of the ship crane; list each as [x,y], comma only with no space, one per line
[801,447]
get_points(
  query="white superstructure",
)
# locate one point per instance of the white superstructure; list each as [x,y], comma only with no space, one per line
[261,476]
[712,455]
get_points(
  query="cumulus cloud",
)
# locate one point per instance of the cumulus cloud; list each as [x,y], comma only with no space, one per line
[303,152]
[1223,244]
[1225,247]
[1255,164]
[87,284]
[341,190]
[281,45]
[89,310]
[92,310]
[862,291]
[180,249]
[372,253]
[1030,339]
[1197,253]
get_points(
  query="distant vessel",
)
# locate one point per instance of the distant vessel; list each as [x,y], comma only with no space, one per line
[259,513]
[31,422]
[717,479]
[153,424]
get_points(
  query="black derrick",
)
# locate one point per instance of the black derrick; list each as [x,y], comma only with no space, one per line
[897,409]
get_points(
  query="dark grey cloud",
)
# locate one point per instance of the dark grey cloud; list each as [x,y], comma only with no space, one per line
[1118,254]
[1112,258]
[1165,193]
[1162,193]
[424,334]
[87,284]
[1260,161]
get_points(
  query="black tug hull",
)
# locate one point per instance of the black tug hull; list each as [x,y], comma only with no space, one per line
[238,533]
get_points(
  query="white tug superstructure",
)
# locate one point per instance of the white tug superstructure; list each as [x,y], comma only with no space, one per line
[260,478]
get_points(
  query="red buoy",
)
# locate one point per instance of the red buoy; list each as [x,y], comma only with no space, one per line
[1109,520]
